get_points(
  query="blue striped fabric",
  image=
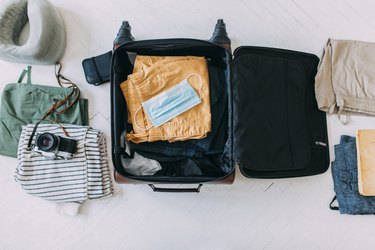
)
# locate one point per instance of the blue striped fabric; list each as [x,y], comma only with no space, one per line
[85,176]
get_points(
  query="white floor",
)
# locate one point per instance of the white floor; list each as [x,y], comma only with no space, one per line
[251,213]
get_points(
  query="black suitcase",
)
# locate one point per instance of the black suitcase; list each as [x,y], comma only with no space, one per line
[274,128]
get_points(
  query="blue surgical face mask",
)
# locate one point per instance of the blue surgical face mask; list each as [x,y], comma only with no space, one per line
[170,103]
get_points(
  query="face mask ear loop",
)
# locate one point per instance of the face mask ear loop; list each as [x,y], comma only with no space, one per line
[136,123]
[200,86]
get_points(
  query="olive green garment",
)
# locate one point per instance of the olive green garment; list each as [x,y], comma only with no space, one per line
[22,104]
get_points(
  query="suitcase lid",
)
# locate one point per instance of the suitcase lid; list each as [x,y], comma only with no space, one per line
[278,130]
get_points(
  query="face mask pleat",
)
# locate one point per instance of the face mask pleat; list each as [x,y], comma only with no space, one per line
[170,103]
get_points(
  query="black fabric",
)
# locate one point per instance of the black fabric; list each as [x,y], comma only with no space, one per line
[207,166]
[277,123]
[97,69]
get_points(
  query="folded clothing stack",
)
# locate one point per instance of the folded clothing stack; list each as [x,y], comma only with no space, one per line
[345,82]
[166,77]
[85,176]
[190,144]
[24,103]
[345,179]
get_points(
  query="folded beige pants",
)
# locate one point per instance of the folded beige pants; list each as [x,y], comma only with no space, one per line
[153,75]
[345,82]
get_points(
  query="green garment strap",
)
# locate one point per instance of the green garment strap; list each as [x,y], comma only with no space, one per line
[28,71]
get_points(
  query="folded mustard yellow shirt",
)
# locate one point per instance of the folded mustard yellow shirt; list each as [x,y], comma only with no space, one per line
[153,75]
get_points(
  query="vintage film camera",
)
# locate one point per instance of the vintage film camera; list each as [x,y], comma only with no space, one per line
[55,147]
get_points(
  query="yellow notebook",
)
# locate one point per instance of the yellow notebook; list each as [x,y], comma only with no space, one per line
[366,162]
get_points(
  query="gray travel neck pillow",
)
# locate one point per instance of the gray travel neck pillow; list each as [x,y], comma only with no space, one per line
[47,38]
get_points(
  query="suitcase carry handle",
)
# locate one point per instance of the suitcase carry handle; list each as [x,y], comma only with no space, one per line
[176,190]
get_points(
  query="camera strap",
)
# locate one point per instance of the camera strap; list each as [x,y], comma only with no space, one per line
[73,95]
[72,98]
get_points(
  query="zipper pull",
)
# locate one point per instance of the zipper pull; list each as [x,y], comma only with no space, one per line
[319,143]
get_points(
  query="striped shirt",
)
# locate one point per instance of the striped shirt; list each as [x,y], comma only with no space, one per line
[85,176]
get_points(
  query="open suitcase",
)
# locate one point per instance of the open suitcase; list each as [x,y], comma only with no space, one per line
[270,123]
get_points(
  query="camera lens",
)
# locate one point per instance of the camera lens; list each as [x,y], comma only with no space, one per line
[47,142]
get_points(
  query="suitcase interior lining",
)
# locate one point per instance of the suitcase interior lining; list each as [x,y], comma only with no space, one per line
[275,124]
[216,57]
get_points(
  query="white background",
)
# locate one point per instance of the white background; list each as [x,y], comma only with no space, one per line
[251,213]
